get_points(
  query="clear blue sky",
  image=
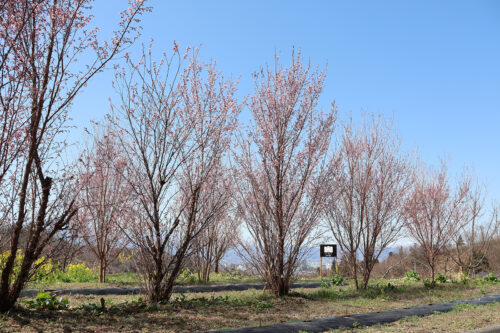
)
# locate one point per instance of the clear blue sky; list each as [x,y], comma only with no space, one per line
[434,65]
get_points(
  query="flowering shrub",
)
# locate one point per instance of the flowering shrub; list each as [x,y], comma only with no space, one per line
[77,273]
[44,268]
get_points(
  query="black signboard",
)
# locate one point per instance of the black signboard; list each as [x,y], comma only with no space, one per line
[328,250]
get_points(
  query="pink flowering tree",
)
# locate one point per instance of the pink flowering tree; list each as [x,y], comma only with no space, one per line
[436,212]
[217,238]
[176,126]
[103,198]
[41,45]
[471,246]
[369,182]
[281,171]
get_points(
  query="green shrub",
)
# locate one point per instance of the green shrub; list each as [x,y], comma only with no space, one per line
[412,276]
[77,273]
[465,279]
[440,278]
[187,276]
[490,278]
[47,301]
[44,270]
[429,284]
[337,280]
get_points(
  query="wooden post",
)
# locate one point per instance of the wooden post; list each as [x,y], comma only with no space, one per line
[321,267]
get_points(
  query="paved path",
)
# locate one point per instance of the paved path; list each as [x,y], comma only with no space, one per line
[177,289]
[490,329]
[364,319]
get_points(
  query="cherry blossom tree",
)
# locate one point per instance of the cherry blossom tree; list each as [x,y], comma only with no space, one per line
[435,212]
[214,241]
[41,44]
[367,191]
[471,245]
[281,169]
[177,123]
[103,198]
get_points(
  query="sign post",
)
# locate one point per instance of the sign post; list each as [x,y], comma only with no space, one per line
[328,251]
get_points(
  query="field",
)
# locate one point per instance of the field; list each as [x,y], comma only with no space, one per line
[204,311]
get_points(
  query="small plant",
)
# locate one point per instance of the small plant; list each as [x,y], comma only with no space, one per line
[262,305]
[337,280]
[356,325]
[490,278]
[388,287]
[187,276]
[47,301]
[324,285]
[429,284]
[441,278]
[412,276]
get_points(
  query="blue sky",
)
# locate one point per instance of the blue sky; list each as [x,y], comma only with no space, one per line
[433,65]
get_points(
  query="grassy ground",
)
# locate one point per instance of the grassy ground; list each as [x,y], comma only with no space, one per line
[462,318]
[134,280]
[204,311]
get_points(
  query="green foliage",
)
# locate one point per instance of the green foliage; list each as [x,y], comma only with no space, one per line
[441,278]
[259,303]
[429,284]
[124,278]
[44,270]
[47,301]
[490,278]
[412,276]
[125,307]
[464,306]
[77,273]
[187,276]
[465,279]
[337,280]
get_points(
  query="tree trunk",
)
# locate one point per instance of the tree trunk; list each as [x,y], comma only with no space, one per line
[216,269]
[280,286]
[102,270]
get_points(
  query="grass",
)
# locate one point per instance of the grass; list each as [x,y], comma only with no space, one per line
[203,311]
[134,280]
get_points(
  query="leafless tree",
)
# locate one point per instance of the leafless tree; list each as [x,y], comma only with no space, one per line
[470,246]
[213,243]
[435,213]
[103,197]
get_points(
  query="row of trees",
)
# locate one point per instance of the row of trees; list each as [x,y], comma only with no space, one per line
[283,178]
[171,173]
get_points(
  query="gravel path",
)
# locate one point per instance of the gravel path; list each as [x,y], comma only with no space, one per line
[177,289]
[364,319]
